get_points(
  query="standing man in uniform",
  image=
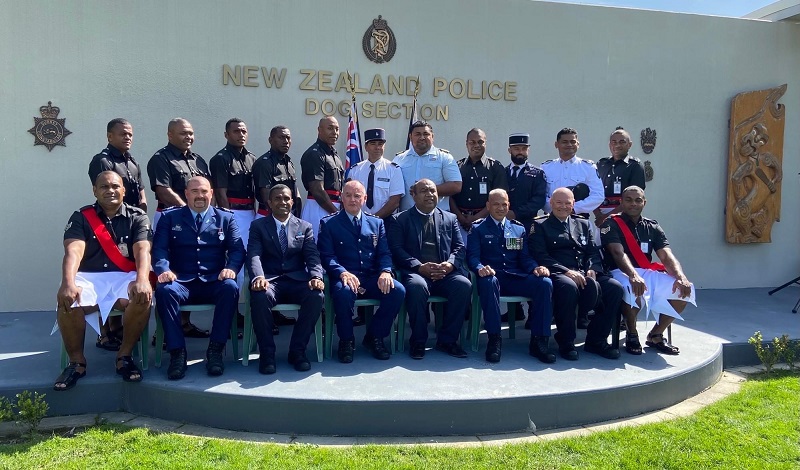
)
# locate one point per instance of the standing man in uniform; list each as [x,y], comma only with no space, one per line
[564,244]
[232,176]
[527,187]
[617,172]
[323,174]
[426,246]
[116,157]
[498,253]
[568,170]
[355,252]
[197,252]
[662,289]
[382,178]
[104,269]
[170,169]
[479,176]
[423,160]
[276,167]
[284,266]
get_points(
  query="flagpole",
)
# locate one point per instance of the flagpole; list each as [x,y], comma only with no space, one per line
[413,115]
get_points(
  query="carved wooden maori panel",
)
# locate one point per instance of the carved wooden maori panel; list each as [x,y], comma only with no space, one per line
[755,166]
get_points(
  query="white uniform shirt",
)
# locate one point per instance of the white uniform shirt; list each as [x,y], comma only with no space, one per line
[436,165]
[388,181]
[560,174]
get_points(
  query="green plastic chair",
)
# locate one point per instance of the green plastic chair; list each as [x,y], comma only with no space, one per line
[475,320]
[234,340]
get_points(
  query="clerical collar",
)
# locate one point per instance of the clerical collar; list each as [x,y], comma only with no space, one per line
[426,215]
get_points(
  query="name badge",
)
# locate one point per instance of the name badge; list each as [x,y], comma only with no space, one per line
[617,187]
[514,243]
[483,188]
[645,246]
[383,179]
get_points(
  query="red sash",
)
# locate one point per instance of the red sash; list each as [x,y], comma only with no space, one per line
[106,242]
[636,251]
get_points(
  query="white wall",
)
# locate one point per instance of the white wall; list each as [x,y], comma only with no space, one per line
[591,68]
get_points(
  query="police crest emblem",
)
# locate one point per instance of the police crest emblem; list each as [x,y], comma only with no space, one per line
[379,42]
[648,140]
[48,130]
[648,171]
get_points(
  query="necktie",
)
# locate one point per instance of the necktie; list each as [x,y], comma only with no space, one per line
[282,239]
[514,174]
[371,186]
[198,221]
[355,222]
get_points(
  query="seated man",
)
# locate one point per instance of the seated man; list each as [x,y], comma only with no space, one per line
[283,262]
[104,270]
[497,252]
[663,289]
[565,245]
[354,251]
[426,245]
[197,252]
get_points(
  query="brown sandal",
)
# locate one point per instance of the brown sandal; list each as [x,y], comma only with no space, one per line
[632,345]
[662,346]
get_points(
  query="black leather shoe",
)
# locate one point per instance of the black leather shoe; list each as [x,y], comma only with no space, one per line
[417,351]
[602,349]
[538,349]
[299,361]
[452,349]
[177,364]
[345,351]
[493,348]
[214,364]
[583,322]
[568,352]
[266,365]
[376,347]
[280,319]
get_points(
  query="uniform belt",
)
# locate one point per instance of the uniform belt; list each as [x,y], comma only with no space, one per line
[334,195]
[264,212]
[241,200]
[241,207]
[466,211]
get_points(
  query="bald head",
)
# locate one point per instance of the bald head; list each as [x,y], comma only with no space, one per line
[328,130]
[180,134]
[353,197]
[561,203]
[619,143]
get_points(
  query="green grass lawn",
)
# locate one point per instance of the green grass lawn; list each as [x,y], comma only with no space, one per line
[758,427]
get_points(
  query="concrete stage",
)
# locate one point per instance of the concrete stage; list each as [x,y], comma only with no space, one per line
[439,395]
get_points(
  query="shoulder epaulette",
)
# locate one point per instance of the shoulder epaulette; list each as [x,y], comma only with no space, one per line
[478,222]
[170,209]
[445,151]
[395,164]
[580,216]
[85,207]
[134,209]
[548,161]
[463,160]
[541,217]
[359,163]
[371,215]
[223,209]
[516,222]
[104,151]
[400,152]
[634,159]
[587,161]
[329,215]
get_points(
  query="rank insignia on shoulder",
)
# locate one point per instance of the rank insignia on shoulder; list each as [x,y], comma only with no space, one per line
[69,224]
[532,230]
[605,230]
[395,164]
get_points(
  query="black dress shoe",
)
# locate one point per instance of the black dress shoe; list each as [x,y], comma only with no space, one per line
[376,347]
[493,348]
[266,365]
[583,322]
[214,364]
[452,349]
[345,351]
[417,351]
[602,349]
[280,319]
[538,349]
[299,361]
[568,352]
[177,364]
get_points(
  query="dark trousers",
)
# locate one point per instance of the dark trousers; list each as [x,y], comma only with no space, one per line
[567,297]
[454,287]
[170,296]
[284,290]
[540,289]
[344,300]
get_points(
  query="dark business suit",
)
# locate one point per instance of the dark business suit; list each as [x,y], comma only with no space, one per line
[288,275]
[405,243]
[513,274]
[570,246]
[197,258]
[363,252]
